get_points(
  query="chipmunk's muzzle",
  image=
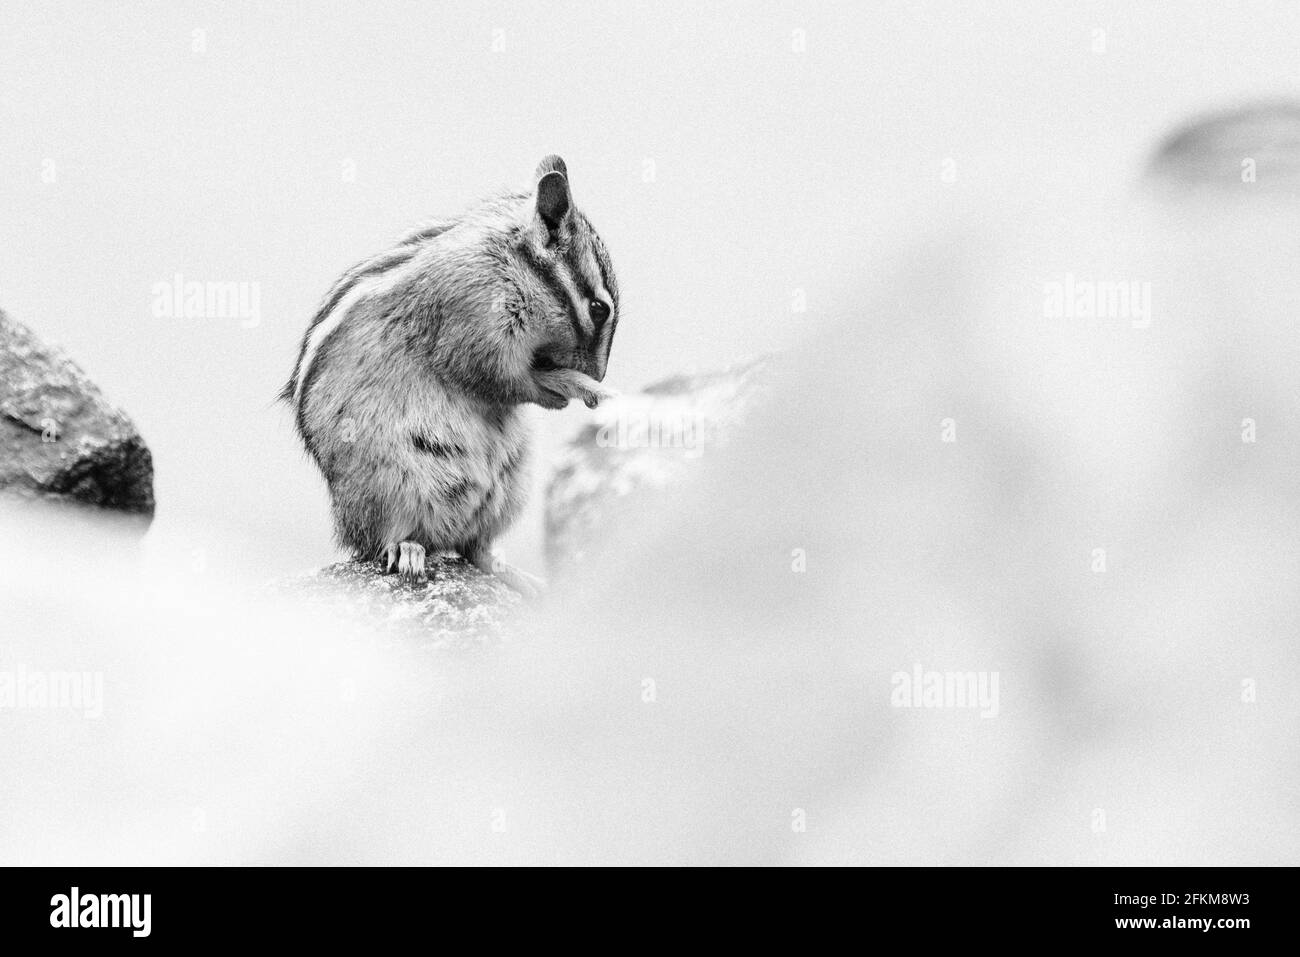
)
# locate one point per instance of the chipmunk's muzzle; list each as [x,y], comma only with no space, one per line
[567,375]
[588,363]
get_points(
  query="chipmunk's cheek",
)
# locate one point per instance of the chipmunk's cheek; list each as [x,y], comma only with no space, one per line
[547,359]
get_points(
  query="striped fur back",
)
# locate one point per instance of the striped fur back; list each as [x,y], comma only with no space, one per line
[569,269]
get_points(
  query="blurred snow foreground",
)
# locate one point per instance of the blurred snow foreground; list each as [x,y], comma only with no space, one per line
[1001,570]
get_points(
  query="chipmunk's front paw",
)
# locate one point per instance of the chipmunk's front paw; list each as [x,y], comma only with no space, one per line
[407,559]
[564,384]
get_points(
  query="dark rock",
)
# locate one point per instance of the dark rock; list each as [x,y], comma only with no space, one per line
[458,607]
[59,438]
[636,446]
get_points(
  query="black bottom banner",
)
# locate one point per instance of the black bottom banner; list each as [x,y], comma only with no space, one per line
[1149,906]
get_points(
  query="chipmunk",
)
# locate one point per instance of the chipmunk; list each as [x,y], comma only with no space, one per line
[411,377]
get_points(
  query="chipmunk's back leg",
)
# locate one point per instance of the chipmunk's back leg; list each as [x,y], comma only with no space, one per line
[403,547]
[371,530]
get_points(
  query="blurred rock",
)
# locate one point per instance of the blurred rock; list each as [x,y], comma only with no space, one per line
[636,446]
[60,440]
[458,607]
[1254,148]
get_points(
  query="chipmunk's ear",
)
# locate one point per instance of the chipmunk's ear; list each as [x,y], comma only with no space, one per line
[553,199]
[549,164]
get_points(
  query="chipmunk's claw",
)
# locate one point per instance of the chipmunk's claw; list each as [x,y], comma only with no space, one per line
[595,394]
[410,564]
[407,559]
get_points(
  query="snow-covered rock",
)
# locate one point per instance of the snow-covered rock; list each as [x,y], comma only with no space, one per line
[458,607]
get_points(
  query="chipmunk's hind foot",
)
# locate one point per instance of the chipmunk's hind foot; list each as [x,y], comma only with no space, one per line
[529,586]
[407,559]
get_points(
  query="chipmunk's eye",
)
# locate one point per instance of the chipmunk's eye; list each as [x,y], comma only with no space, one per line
[599,311]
